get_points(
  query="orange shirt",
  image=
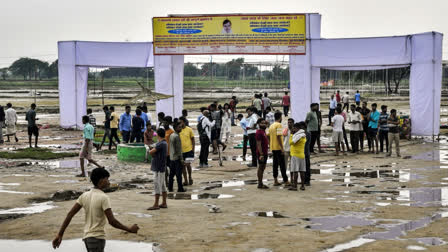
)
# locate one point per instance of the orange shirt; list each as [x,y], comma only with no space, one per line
[167,139]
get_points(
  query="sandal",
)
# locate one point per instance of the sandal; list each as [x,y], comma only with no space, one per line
[153,208]
[163,206]
[292,189]
[80,176]
[302,188]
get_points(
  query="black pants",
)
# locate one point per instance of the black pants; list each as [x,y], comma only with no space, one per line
[245,139]
[314,136]
[345,106]
[308,169]
[175,170]
[279,160]
[137,136]
[286,110]
[253,149]
[205,145]
[345,137]
[366,132]
[113,134]
[94,244]
[330,115]
[382,135]
[354,140]
[126,136]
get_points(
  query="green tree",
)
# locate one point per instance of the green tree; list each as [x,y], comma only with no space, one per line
[234,68]
[22,67]
[4,73]
[190,70]
[53,69]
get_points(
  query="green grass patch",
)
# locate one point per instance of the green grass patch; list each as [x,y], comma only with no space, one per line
[36,153]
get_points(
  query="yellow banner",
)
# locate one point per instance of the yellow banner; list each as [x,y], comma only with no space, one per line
[239,34]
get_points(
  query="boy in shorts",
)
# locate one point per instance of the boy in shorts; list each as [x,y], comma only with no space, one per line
[338,122]
[158,167]
[87,146]
[262,151]
[297,142]
[97,208]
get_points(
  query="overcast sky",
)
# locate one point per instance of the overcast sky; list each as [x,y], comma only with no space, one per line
[31,28]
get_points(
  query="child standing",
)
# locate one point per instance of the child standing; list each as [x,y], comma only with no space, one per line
[297,142]
[96,206]
[158,167]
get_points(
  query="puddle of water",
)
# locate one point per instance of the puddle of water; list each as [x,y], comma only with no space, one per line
[271,214]
[352,244]
[413,247]
[141,215]
[186,196]
[432,241]
[338,223]
[3,190]
[233,224]
[75,245]
[67,181]
[33,209]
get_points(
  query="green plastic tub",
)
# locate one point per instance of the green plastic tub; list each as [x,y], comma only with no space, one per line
[134,152]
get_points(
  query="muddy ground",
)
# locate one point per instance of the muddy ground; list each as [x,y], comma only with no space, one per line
[364,202]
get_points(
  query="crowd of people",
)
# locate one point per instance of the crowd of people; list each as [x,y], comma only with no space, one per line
[8,120]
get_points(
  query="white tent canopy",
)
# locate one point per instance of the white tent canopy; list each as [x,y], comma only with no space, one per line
[423,52]
[74,60]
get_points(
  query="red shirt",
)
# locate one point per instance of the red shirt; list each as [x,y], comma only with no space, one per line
[338,98]
[260,135]
[286,101]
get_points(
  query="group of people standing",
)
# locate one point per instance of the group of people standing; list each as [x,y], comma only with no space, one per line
[289,147]
[8,120]
[364,123]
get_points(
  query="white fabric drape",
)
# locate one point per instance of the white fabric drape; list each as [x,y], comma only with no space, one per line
[114,54]
[422,51]
[169,77]
[74,59]
[302,76]
[425,83]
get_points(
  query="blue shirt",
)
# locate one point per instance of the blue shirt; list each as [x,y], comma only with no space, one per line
[383,121]
[125,122]
[374,117]
[88,131]
[144,116]
[158,162]
[200,117]
[357,97]
[333,104]
[243,124]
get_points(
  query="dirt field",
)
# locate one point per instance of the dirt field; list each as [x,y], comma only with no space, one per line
[362,202]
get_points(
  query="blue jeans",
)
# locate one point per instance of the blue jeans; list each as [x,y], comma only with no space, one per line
[126,136]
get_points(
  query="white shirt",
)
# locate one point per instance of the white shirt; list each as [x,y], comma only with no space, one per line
[354,117]
[10,116]
[337,121]
[252,121]
[345,98]
[207,126]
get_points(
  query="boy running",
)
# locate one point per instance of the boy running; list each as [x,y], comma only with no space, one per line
[87,147]
[96,206]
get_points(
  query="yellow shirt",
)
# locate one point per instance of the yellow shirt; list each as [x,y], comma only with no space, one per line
[185,137]
[298,148]
[94,202]
[276,129]
[114,122]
